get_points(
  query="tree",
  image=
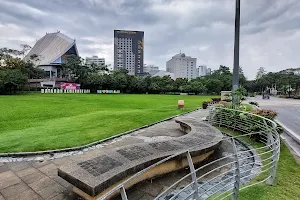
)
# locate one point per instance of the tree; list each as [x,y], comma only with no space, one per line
[197,87]
[242,78]
[260,72]
[74,69]
[124,70]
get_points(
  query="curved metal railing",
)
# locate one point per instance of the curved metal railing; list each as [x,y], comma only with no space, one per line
[225,176]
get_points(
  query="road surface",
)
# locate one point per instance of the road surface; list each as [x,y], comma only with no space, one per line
[288,116]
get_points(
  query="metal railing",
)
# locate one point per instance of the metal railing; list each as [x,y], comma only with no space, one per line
[211,181]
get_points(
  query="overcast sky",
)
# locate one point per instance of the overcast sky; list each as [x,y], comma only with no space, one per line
[270,29]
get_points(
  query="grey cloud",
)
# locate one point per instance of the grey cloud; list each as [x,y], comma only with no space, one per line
[189,26]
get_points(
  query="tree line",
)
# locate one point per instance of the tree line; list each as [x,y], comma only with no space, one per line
[15,73]
[287,82]
[95,77]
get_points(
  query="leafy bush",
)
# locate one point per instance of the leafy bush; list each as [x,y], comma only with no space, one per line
[270,114]
[244,122]
[253,103]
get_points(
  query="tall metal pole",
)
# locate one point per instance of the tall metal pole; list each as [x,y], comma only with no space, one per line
[236,60]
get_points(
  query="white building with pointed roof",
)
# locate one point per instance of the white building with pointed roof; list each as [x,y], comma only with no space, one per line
[49,53]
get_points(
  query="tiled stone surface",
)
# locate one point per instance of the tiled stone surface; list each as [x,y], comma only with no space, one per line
[25,172]
[9,181]
[36,180]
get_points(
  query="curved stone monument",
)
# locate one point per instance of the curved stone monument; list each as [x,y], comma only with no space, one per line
[95,176]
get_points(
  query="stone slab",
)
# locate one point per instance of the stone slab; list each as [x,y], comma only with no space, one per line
[26,171]
[4,168]
[14,191]
[12,180]
[95,174]
[31,178]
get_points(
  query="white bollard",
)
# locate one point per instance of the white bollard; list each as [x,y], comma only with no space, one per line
[54,90]
[42,91]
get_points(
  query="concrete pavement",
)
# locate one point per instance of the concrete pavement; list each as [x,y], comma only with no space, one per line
[288,116]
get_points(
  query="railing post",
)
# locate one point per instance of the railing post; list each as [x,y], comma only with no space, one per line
[194,176]
[275,157]
[123,193]
[210,115]
[269,135]
[237,176]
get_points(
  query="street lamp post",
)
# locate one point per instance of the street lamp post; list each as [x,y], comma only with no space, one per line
[236,59]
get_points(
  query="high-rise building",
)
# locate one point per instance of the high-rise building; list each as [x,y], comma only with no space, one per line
[182,66]
[95,60]
[202,70]
[148,68]
[129,51]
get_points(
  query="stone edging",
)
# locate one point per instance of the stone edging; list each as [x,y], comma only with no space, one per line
[78,148]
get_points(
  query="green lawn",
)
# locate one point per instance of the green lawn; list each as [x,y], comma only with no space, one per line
[287,184]
[35,122]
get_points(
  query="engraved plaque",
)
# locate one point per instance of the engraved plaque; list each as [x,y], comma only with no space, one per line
[99,165]
[165,146]
[134,152]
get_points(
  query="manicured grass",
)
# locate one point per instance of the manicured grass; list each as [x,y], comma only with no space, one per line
[287,184]
[35,122]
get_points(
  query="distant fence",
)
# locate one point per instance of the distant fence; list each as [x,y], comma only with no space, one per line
[108,91]
[85,91]
[244,163]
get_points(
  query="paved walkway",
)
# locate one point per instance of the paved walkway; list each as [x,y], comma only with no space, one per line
[38,180]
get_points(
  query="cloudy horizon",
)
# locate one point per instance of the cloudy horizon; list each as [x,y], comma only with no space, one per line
[270,32]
